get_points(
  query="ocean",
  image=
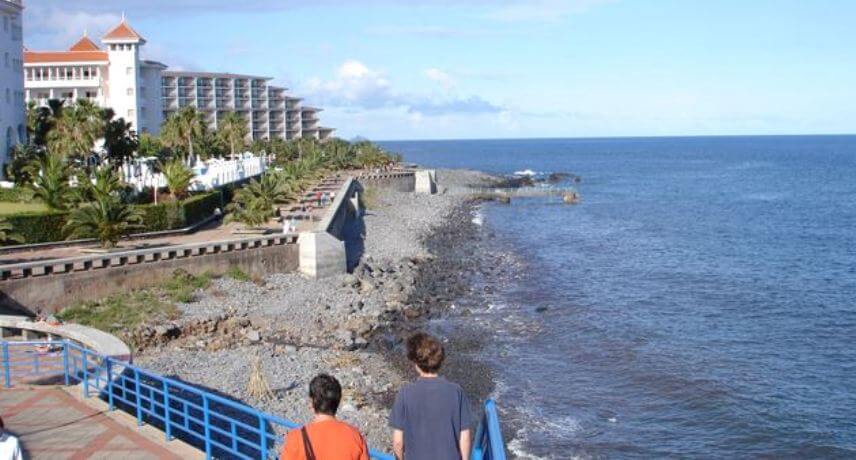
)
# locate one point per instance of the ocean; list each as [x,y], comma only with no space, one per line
[700,302]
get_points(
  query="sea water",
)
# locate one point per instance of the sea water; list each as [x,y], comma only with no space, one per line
[699,303]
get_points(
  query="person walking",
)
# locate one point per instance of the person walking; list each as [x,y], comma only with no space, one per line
[431,418]
[326,437]
[10,448]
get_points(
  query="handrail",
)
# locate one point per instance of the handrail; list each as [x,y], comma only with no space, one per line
[488,443]
[218,426]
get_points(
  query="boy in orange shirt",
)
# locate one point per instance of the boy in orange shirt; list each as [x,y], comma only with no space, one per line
[326,437]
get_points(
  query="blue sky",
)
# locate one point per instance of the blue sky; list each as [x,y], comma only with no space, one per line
[441,69]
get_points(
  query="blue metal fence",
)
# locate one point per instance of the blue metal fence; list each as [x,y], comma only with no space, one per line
[222,428]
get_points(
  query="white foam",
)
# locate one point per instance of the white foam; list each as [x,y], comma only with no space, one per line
[525,172]
[478,217]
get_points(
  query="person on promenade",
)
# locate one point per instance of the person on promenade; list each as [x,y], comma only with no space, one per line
[326,437]
[10,448]
[431,418]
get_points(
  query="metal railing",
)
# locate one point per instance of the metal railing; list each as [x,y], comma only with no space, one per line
[488,443]
[220,427]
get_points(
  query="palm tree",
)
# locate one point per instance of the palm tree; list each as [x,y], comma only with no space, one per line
[50,183]
[76,129]
[183,129]
[120,139]
[107,218]
[105,182]
[178,178]
[232,131]
[6,235]
[254,203]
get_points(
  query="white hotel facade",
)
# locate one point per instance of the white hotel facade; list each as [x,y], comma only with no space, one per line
[12,119]
[144,92]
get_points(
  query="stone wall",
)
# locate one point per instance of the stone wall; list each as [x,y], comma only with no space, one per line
[52,293]
[400,181]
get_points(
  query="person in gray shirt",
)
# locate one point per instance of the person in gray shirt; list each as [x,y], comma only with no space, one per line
[431,418]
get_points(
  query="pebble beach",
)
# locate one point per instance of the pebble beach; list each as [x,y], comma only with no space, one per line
[350,326]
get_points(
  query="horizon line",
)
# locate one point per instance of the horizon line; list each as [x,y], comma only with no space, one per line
[699,136]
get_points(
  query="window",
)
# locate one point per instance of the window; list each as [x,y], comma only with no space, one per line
[5,23]
[129,71]
[8,96]
[130,91]
[130,113]
[6,59]
[91,94]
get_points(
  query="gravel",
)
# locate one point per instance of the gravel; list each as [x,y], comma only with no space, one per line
[301,327]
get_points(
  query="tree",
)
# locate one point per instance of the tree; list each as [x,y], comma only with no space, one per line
[104,182]
[183,130]
[21,168]
[6,234]
[254,203]
[178,178]
[107,218]
[50,183]
[120,140]
[232,131]
[41,120]
[76,129]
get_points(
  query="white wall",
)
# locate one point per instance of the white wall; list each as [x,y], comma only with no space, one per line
[12,125]
[124,75]
[152,100]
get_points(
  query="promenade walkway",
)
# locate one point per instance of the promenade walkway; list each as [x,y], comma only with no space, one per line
[215,232]
[54,424]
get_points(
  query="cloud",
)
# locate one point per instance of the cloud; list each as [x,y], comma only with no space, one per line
[58,28]
[444,79]
[543,10]
[356,86]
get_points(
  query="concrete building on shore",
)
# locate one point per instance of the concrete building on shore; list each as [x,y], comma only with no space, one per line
[12,119]
[145,93]
[268,111]
[114,76]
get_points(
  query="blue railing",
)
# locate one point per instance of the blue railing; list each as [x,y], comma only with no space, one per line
[222,428]
[488,443]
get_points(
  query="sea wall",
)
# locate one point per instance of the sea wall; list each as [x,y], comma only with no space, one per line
[50,290]
[402,181]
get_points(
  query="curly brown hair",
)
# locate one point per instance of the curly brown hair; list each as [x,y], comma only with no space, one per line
[426,352]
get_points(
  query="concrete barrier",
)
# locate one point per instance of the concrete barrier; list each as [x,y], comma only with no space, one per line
[426,181]
[93,339]
[51,285]
[402,181]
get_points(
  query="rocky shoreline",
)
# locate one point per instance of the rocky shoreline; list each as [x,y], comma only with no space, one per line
[417,261]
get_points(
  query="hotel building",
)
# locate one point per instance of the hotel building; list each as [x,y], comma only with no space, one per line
[145,93]
[114,77]
[12,122]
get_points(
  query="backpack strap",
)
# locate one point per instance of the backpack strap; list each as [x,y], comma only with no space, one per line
[307,446]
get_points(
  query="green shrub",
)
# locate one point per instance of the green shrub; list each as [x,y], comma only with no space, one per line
[237,274]
[182,286]
[161,216]
[38,227]
[17,195]
[199,207]
[47,226]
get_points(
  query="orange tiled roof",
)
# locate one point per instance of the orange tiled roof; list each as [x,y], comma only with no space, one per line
[122,32]
[84,44]
[36,57]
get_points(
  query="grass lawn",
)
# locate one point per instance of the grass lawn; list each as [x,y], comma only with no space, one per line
[12,208]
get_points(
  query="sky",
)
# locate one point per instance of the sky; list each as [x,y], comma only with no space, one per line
[443,69]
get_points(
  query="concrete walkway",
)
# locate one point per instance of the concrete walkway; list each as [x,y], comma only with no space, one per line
[213,233]
[52,423]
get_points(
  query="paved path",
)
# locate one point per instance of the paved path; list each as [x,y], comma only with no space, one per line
[53,424]
[213,233]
